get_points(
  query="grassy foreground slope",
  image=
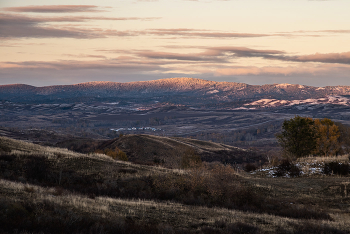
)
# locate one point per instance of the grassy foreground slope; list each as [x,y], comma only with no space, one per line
[52,190]
[35,209]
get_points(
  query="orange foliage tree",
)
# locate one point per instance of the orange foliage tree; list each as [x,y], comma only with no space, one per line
[115,154]
[327,137]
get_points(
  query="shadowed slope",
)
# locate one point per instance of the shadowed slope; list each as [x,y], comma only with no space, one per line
[169,151]
[53,190]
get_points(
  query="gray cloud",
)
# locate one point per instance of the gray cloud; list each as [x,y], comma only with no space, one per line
[242,52]
[55,9]
[212,61]
[20,25]
[185,32]
[212,54]
[181,57]
[50,76]
[200,33]
[86,56]
[119,65]
[23,19]
[224,54]
[342,58]
[15,25]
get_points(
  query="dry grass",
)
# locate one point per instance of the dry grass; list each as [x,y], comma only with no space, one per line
[77,192]
[315,165]
[324,159]
[174,215]
[64,157]
[147,149]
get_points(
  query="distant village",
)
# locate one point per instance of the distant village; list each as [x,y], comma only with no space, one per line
[135,129]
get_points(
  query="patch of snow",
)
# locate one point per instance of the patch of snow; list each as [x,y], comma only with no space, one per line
[135,129]
[241,108]
[213,91]
[339,100]
[284,85]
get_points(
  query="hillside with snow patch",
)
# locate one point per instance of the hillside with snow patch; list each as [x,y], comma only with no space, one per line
[267,103]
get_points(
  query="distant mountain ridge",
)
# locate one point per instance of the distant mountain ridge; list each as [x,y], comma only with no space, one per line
[189,89]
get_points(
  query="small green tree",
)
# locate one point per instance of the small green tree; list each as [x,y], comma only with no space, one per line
[298,136]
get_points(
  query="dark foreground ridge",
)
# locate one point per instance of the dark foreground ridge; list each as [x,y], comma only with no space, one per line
[54,190]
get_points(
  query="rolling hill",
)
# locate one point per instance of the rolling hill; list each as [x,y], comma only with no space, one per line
[167,151]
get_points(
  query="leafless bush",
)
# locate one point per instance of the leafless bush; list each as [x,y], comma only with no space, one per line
[250,167]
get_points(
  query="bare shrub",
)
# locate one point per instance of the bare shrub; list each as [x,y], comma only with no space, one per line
[286,166]
[190,159]
[218,185]
[324,159]
[29,189]
[59,191]
[250,167]
[310,228]
[302,213]
[115,154]
[127,170]
[165,229]
[46,217]
[240,227]
[4,147]
[37,168]
[336,168]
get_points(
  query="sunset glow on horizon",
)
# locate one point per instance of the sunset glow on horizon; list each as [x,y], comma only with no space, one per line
[251,41]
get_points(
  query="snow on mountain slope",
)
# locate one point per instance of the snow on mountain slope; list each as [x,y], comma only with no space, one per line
[264,103]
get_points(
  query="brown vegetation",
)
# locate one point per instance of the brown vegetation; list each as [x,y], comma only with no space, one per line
[59,191]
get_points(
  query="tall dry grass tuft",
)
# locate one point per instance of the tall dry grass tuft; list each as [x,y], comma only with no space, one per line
[324,165]
[324,159]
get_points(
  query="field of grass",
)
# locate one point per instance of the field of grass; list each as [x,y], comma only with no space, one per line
[54,190]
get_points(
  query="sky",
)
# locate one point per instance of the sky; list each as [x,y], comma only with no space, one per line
[249,41]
